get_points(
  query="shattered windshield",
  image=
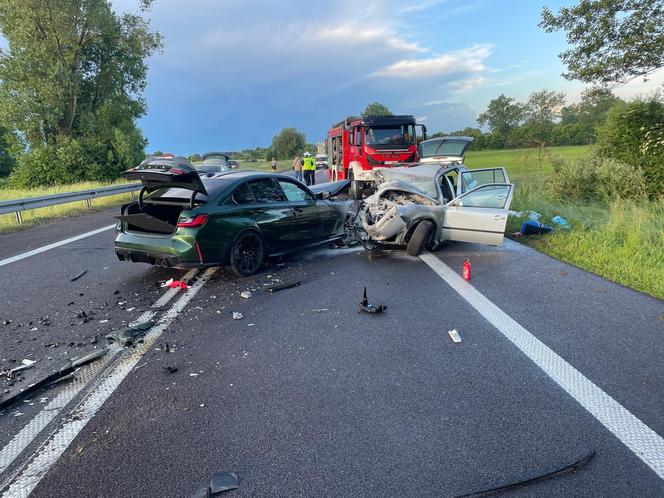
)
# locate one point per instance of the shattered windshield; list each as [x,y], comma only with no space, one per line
[422,179]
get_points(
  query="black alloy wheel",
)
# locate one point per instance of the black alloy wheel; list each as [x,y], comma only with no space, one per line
[247,253]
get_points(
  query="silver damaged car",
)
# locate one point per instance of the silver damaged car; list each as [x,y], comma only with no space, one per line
[421,206]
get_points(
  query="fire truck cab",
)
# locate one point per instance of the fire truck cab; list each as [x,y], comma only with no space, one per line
[357,145]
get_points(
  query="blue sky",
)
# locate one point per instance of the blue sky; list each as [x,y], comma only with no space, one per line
[232,74]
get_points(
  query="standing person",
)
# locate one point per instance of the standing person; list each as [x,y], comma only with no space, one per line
[309,169]
[297,167]
[274,165]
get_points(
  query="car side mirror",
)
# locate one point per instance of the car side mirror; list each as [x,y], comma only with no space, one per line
[323,195]
[458,203]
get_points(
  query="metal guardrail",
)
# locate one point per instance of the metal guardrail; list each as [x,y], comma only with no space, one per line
[19,205]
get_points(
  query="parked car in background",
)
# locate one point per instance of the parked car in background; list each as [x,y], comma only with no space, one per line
[236,218]
[421,206]
[444,150]
[213,162]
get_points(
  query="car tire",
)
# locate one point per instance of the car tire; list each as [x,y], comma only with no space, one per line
[247,253]
[420,238]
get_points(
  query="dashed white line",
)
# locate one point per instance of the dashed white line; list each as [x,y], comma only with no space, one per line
[33,428]
[48,247]
[632,432]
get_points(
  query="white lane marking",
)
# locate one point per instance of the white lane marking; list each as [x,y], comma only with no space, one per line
[33,428]
[24,255]
[30,475]
[632,432]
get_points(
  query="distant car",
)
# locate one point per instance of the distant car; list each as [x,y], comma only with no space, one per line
[237,218]
[421,206]
[213,162]
[444,150]
[321,161]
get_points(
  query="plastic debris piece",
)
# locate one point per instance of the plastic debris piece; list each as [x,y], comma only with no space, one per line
[128,336]
[103,321]
[219,482]
[77,276]
[535,228]
[170,369]
[245,295]
[561,222]
[285,285]
[65,372]
[367,307]
[319,310]
[167,283]
[572,467]
[454,335]
[237,315]
[177,283]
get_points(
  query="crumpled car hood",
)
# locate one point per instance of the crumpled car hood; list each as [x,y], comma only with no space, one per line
[400,186]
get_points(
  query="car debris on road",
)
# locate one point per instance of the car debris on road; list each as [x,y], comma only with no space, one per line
[219,482]
[367,307]
[454,335]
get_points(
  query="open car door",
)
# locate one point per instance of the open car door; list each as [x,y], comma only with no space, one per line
[479,213]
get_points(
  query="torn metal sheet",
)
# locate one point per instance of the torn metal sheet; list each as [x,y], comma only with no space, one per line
[218,483]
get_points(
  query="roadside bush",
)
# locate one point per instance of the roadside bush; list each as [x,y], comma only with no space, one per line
[595,179]
[627,135]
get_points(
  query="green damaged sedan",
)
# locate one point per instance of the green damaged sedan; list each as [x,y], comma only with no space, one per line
[183,219]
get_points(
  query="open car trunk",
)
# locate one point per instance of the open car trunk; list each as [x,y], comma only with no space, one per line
[151,218]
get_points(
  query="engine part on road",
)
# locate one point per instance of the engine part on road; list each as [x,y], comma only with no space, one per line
[367,307]
[572,467]
[219,482]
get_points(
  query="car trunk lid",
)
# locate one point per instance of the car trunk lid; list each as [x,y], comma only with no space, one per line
[158,172]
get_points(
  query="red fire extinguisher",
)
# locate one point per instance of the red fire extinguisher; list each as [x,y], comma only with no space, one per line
[466,269]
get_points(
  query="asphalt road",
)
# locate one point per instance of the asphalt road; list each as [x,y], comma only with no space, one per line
[304,396]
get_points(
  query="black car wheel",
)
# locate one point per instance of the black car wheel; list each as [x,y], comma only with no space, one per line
[421,238]
[247,253]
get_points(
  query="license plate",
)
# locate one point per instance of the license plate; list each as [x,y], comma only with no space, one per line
[391,162]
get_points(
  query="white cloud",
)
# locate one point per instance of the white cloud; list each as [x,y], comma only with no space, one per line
[469,60]
[356,34]
[419,6]
[469,84]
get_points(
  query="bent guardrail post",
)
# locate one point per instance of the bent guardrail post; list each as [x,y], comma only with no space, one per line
[17,206]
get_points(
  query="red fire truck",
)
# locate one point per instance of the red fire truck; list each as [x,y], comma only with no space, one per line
[355,146]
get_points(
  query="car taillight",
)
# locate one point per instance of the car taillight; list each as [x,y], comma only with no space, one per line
[192,221]
[176,171]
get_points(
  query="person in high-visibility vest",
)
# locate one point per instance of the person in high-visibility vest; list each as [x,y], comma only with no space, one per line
[309,169]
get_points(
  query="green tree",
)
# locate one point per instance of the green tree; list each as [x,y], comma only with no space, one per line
[612,41]
[377,109]
[627,135]
[544,106]
[195,158]
[75,71]
[288,143]
[502,115]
